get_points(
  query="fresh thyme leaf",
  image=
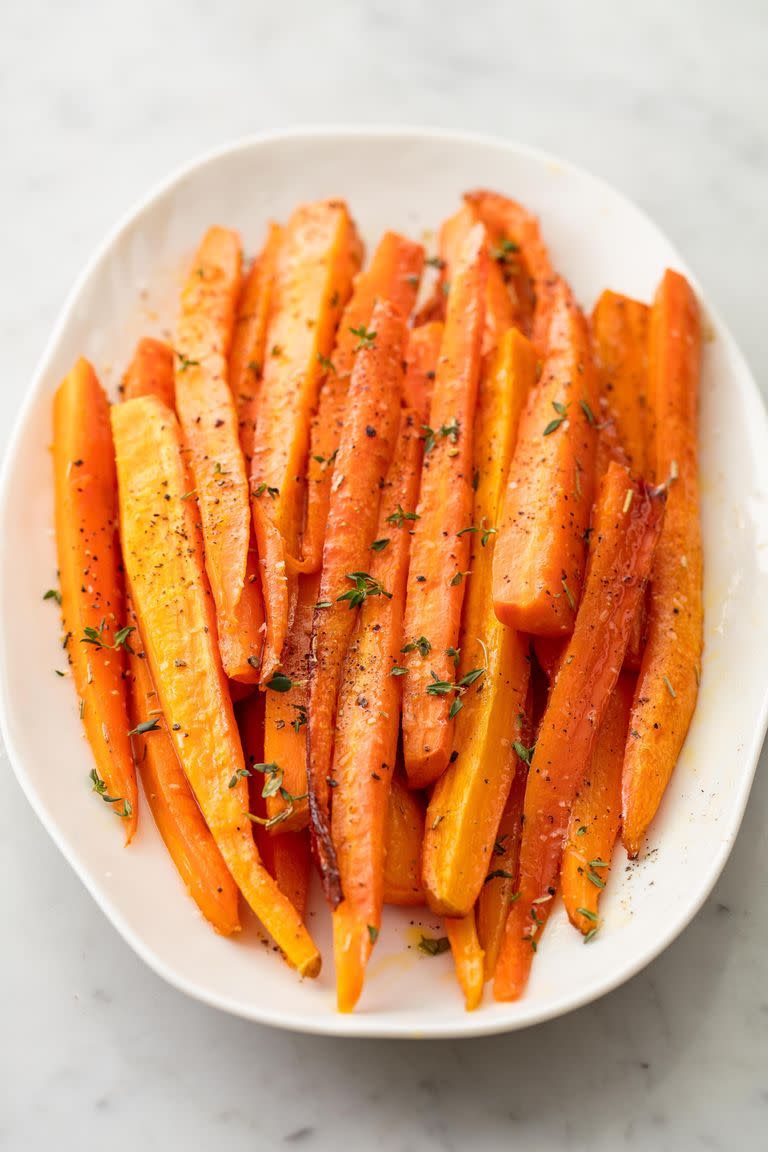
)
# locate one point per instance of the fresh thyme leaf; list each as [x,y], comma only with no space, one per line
[568,594]
[457,579]
[380,545]
[525,754]
[239,775]
[326,364]
[421,645]
[455,707]
[588,413]
[553,426]
[364,336]
[280,682]
[499,874]
[399,516]
[599,864]
[364,586]
[433,945]
[145,726]
[185,362]
[590,915]
[373,933]
[454,653]
[590,935]
[582,831]
[595,879]
[469,678]
[324,604]
[398,671]
[301,719]
[53,594]
[561,409]
[264,487]
[439,687]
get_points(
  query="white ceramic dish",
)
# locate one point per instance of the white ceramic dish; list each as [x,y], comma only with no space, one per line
[409,181]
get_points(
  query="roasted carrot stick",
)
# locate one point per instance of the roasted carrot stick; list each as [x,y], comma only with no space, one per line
[246,357]
[365,452]
[421,368]
[174,808]
[517,245]
[173,603]
[468,800]
[596,815]
[626,528]
[318,258]
[392,275]
[92,593]
[209,421]
[538,562]
[620,341]
[500,887]
[403,840]
[285,716]
[150,373]
[367,727]
[439,554]
[468,958]
[668,682]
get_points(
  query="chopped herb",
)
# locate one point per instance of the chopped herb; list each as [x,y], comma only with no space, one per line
[100,787]
[590,915]
[413,281]
[455,707]
[439,687]
[454,653]
[445,431]
[599,864]
[239,775]
[399,516]
[582,831]
[324,604]
[433,945]
[502,253]
[276,350]
[422,646]
[380,545]
[373,933]
[185,362]
[498,845]
[499,874]
[561,409]
[595,879]
[398,671]
[484,529]
[457,579]
[58,673]
[590,935]
[364,586]
[95,636]
[301,717]
[435,262]
[568,594]
[145,726]
[525,754]
[553,426]
[264,487]
[588,413]
[469,678]
[364,337]
[53,594]
[189,495]
[280,683]
[325,363]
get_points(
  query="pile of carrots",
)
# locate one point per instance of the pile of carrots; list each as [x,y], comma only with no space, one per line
[391,568]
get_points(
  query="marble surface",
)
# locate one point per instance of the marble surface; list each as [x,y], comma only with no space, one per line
[98,101]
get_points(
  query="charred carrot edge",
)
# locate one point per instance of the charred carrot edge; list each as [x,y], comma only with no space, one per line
[285,715]
[596,815]
[172,803]
[538,562]
[92,592]
[439,555]
[515,237]
[403,842]
[165,572]
[393,275]
[150,372]
[209,421]
[367,726]
[318,258]
[668,681]
[421,367]
[468,958]
[500,887]
[493,668]
[626,528]
[365,451]
[246,357]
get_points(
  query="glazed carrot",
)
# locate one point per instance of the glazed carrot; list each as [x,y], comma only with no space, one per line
[626,528]
[500,887]
[392,275]
[439,555]
[468,800]
[92,594]
[403,839]
[515,237]
[668,682]
[367,726]
[318,258]
[365,451]
[285,718]
[421,368]
[538,562]
[550,651]
[209,422]
[174,606]
[468,958]
[246,357]
[499,312]
[150,373]
[596,815]
[174,808]
[620,342]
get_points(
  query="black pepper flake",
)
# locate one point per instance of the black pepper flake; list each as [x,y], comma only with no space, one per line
[370,430]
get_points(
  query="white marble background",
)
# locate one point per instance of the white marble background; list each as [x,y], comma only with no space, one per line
[100,100]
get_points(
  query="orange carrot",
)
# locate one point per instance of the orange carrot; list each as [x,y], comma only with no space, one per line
[468,958]
[318,258]
[439,555]
[538,562]
[209,421]
[173,604]
[500,887]
[365,451]
[421,368]
[246,357]
[285,719]
[174,808]
[392,275]
[516,242]
[468,800]
[403,839]
[92,593]
[596,815]
[367,726]
[626,528]
[620,340]
[668,682]
[150,373]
